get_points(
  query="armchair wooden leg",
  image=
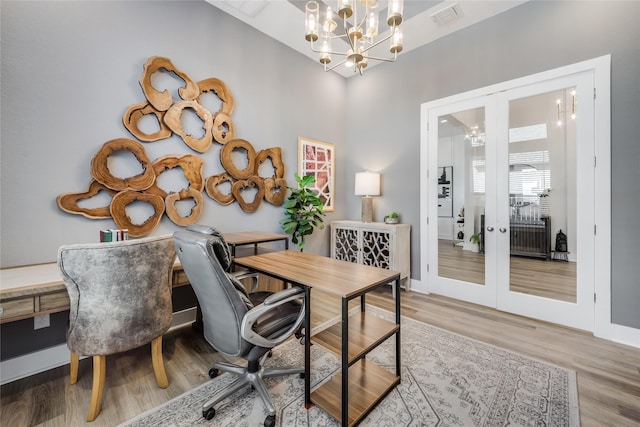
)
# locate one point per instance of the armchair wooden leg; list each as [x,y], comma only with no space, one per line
[73,367]
[99,372]
[158,363]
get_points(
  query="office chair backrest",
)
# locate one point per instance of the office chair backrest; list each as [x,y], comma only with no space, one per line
[222,299]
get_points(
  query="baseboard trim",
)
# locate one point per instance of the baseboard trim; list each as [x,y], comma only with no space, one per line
[53,357]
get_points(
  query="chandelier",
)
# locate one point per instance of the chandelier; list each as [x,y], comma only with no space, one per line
[359,32]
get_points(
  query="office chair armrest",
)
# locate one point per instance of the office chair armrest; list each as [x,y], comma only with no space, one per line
[246,274]
[286,293]
[252,316]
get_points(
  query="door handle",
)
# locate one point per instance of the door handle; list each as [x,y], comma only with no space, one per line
[503,230]
[489,228]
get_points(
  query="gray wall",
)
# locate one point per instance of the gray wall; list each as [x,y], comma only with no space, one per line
[534,37]
[71,69]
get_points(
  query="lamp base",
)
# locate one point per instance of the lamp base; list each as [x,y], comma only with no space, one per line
[367,209]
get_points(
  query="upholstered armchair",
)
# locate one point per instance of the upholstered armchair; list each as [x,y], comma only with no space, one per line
[235,322]
[120,299]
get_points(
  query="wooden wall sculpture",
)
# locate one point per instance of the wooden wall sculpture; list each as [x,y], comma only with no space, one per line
[143,188]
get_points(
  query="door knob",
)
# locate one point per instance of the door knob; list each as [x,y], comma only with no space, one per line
[503,230]
[489,228]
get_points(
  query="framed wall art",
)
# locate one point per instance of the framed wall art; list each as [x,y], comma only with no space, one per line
[318,159]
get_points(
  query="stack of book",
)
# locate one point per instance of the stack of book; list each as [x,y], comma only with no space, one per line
[114,235]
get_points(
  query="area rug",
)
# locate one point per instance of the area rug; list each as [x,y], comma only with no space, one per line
[446,380]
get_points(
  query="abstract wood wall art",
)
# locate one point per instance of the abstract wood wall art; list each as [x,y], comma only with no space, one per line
[217,127]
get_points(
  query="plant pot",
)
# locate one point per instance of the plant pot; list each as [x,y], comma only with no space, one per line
[391,220]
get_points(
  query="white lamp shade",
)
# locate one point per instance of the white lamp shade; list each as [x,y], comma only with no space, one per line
[367,184]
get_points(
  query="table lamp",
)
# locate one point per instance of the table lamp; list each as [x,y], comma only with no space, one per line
[367,185]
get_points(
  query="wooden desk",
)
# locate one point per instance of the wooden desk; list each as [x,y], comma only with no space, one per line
[361,383]
[253,238]
[33,290]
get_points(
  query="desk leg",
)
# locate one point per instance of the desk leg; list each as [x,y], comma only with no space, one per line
[397,287]
[307,348]
[345,362]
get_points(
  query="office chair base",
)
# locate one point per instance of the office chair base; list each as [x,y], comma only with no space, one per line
[245,377]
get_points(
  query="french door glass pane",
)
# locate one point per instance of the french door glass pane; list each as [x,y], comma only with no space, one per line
[461,195]
[542,195]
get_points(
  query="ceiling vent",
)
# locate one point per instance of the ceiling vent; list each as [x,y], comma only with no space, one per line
[249,8]
[447,14]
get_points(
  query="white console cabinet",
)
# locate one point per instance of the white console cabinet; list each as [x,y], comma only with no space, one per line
[374,243]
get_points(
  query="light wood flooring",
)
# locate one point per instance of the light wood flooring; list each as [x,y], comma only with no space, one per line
[608,373]
[533,276]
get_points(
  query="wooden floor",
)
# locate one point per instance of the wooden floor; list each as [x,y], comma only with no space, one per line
[532,276]
[608,373]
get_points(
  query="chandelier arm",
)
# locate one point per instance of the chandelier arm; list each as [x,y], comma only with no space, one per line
[393,31]
[375,58]
[314,49]
[336,65]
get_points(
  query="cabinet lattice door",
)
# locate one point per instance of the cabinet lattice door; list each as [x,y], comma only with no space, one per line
[373,243]
[346,246]
[376,249]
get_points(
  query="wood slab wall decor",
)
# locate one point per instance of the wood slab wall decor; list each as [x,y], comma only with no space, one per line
[218,128]
[252,182]
[172,211]
[223,130]
[68,202]
[133,115]
[118,207]
[191,169]
[173,119]
[275,155]
[211,186]
[227,161]
[161,101]
[221,90]
[100,169]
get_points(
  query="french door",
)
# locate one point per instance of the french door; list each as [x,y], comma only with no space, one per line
[514,170]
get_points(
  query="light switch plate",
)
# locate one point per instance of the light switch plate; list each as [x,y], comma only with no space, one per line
[41,321]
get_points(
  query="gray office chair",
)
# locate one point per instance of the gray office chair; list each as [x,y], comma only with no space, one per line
[120,299]
[237,323]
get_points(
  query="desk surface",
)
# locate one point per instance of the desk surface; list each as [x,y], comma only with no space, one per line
[253,237]
[336,277]
[46,277]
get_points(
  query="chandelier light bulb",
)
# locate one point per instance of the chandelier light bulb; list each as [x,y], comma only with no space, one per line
[372,19]
[396,41]
[325,57]
[329,24]
[345,8]
[311,21]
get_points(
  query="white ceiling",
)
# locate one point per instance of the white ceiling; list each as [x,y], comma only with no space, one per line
[283,20]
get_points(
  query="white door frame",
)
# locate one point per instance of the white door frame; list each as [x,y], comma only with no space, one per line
[603,326]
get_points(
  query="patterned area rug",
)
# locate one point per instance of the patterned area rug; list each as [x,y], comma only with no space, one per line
[447,380]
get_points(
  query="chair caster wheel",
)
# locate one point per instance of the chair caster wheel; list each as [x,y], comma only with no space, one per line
[213,372]
[270,421]
[301,375]
[209,414]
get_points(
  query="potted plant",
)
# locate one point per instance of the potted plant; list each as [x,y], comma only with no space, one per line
[475,241]
[303,211]
[392,218]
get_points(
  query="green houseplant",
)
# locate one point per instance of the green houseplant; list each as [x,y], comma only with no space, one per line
[303,211]
[475,240]
[392,218]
